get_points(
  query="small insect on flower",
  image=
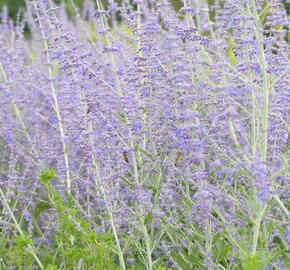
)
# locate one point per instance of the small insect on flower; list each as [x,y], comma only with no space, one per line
[125,156]
[177,158]
[89,109]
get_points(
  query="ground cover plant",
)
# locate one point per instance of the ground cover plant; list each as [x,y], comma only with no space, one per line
[136,137]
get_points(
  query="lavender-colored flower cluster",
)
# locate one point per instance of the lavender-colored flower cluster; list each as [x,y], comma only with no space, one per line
[164,134]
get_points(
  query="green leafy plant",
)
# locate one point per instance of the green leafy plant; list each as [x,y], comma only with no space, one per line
[76,242]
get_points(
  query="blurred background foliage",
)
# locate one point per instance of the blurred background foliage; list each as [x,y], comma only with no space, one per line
[14,6]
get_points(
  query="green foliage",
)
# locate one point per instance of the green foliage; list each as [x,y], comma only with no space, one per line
[230,52]
[220,250]
[76,242]
[252,262]
[47,175]
[14,251]
[13,6]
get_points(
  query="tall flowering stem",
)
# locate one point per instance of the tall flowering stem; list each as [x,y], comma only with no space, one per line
[257,25]
[56,103]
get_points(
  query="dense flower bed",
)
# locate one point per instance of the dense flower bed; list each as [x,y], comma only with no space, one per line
[135,137]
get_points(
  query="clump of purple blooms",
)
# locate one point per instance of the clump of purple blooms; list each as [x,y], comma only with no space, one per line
[168,130]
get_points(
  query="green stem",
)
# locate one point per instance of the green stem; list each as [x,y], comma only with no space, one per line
[257,25]
[148,248]
[208,239]
[257,228]
[283,207]
[233,134]
[265,112]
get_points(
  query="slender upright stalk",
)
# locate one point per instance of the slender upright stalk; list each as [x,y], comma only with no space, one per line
[148,248]
[208,239]
[257,25]
[56,104]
